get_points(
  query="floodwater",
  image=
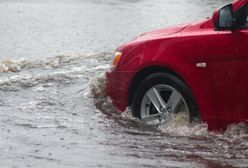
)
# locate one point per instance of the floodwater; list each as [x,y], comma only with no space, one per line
[53,109]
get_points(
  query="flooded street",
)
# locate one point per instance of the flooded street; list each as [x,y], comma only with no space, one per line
[53,109]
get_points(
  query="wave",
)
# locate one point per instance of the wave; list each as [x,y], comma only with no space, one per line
[20,73]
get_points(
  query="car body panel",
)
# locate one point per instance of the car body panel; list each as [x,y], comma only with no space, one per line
[230,74]
[117,86]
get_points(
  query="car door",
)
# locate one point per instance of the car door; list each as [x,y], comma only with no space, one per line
[230,71]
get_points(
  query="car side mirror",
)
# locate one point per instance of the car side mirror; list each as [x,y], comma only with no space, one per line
[223,18]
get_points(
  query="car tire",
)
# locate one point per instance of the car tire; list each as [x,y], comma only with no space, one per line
[162,83]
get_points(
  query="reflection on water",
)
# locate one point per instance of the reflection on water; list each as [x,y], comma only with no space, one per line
[54,111]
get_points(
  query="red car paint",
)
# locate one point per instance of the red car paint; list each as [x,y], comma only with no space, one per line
[220,89]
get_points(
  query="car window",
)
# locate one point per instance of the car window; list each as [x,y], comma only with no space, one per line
[246,20]
[242,17]
[246,16]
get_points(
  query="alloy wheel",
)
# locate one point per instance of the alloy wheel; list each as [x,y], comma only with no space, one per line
[160,103]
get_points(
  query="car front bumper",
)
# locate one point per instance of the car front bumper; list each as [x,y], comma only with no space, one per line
[117,88]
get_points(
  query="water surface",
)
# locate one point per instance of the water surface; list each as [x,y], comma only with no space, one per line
[53,110]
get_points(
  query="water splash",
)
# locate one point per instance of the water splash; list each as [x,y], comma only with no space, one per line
[236,131]
[178,125]
[99,95]
[16,74]
[12,65]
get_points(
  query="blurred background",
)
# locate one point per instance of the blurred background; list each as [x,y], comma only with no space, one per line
[43,28]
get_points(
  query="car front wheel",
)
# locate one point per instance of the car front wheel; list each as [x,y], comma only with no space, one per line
[160,96]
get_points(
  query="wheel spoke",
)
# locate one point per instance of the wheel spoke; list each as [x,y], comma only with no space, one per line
[173,102]
[150,117]
[156,99]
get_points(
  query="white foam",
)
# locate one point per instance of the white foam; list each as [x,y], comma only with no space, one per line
[236,131]
[19,73]
[12,65]
[16,65]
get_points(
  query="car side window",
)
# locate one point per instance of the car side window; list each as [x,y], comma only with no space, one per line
[241,17]
[246,20]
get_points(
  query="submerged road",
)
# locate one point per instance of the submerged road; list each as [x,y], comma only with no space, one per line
[53,110]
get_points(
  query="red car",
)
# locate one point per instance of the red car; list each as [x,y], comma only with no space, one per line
[199,68]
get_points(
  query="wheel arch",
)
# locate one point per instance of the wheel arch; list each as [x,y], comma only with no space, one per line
[143,73]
